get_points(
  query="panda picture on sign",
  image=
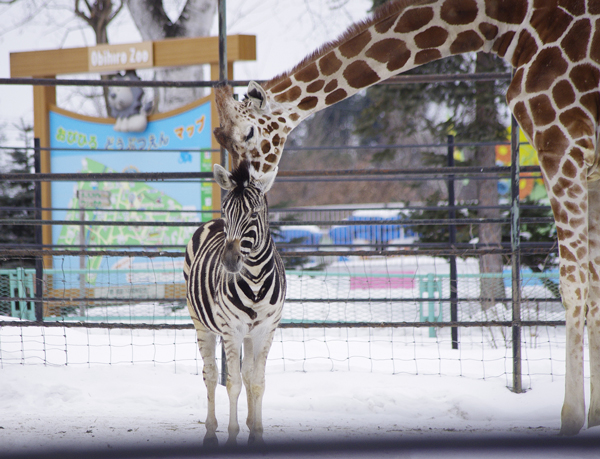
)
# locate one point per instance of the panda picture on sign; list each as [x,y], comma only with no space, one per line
[127,106]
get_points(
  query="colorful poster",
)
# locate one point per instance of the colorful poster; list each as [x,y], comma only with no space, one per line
[180,143]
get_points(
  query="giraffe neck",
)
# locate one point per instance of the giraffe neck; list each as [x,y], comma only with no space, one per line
[402,36]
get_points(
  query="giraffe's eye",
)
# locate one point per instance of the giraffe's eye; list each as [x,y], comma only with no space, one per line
[250,134]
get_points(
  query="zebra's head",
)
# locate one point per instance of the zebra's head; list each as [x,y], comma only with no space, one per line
[244,211]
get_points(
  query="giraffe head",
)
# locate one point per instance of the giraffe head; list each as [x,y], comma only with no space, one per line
[255,128]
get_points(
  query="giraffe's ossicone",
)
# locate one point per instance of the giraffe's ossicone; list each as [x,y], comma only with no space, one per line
[554,46]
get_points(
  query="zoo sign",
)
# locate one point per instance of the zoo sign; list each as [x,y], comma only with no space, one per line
[105,58]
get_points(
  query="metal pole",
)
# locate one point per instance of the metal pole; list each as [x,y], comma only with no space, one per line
[453,273]
[222,7]
[82,292]
[515,239]
[39,261]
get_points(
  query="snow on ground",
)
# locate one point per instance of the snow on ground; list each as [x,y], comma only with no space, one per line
[103,400]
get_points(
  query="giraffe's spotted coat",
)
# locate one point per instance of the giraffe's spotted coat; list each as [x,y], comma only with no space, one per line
[554,46]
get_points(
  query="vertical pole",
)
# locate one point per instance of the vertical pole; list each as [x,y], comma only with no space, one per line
[222,6]
[515,240]
[39,260]
[453,274]
[81,257]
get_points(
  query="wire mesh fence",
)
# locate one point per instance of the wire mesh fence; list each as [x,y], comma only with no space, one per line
[365,291]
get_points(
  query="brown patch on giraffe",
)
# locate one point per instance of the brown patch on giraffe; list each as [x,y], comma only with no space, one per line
[585,77]
[545,69]
[329,64]
[525,49]
[522,116]
[261,121]
[265,146]
[308,103]
[459,12]
[509,11]
[266,168]
[563,94]
[591,102]
[575,7]
[391,51]
[541,110]
[428,55]
[564,234]
[354,46]
[575,43]
[514,89]
[566,254]
[577,122]
[275,140]
[559,188]
[431,38]
[466,42]
[289,96]
[287,129]
[271,158]
[281,119]
[255,165]
[489,31]
[581,253]
[549,164]
[331,85]
[501,44]
[550,23]
[386,24]
[308,73]
[586,143]
[594,8]
[413,20]
[336,96]
[294,116]
[552,139]
[572,207]
[281,86]
[315,86]
[560,215]
[595,48]
[359,75]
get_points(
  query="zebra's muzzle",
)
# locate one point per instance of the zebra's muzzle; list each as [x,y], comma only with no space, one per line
[232,258]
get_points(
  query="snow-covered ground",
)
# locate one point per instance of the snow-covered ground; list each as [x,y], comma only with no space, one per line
[64,388]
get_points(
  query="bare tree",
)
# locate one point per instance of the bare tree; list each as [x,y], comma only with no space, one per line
[98,16]
[153,23]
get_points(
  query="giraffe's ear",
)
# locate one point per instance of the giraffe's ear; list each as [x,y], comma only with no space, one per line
[223,177]
[257,95]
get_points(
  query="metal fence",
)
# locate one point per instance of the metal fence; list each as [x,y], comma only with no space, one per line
[355,273]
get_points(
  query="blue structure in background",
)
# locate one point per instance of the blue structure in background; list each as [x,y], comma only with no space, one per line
[375,234]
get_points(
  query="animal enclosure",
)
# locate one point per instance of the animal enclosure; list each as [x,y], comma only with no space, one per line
[366,290]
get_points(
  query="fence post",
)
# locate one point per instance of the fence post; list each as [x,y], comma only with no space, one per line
[452,216]
[515,239]
[39,260]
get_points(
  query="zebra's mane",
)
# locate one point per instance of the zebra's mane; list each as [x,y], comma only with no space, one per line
[242,176]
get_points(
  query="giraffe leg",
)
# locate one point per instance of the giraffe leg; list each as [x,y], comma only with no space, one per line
[234,384]
[207,342]
[593,310]
[569,200]
[261,345]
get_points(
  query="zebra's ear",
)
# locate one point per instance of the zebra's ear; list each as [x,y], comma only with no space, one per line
[266,180]
[223,177]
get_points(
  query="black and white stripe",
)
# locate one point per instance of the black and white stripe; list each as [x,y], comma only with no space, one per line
[236,287]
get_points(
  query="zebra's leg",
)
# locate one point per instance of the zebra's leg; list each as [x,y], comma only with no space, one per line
[247,370]
[234,384]
[261,345]
[207,342]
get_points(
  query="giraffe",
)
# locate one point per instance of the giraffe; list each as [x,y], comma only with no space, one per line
[554,47]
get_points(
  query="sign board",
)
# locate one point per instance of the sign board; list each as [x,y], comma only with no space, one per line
[93,198]
[179,142]
[110,58]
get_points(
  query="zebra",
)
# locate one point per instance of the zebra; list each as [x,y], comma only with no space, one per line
[235,288]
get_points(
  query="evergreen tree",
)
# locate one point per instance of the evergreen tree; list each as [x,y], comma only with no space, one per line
[17,202]
[472,111]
